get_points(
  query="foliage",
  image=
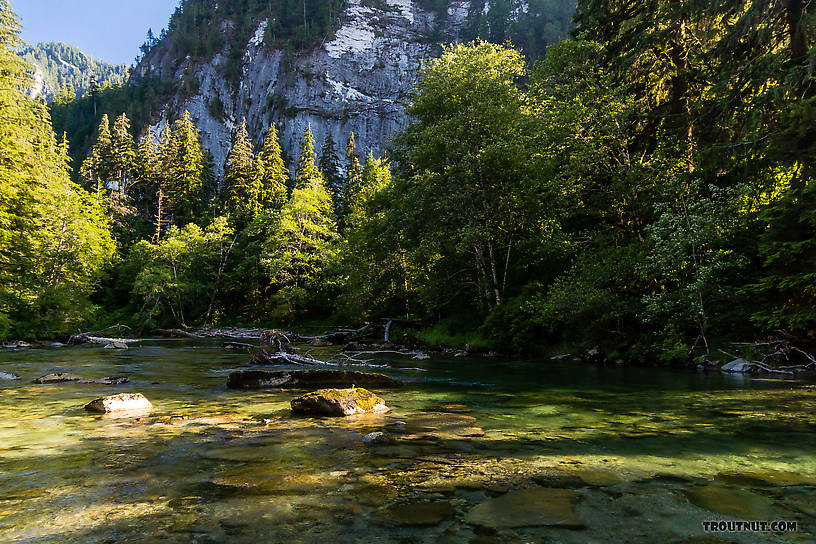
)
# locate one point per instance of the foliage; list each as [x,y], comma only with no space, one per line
[68,72]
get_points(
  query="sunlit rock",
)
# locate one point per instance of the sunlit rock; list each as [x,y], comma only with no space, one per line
[124,402]
[9,376]
[339,402]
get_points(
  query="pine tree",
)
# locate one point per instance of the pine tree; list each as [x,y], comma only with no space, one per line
[330,167]
[242,186]
[307,235]
[307,171]
[122,154]
[188,172]
[96,169]
[354,172]
[271,172]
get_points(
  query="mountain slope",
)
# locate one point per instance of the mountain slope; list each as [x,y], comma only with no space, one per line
[340,66]
[57,65]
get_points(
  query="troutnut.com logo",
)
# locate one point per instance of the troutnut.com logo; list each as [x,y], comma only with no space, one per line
[721,526]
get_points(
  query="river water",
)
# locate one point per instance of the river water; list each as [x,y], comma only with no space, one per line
[480,450]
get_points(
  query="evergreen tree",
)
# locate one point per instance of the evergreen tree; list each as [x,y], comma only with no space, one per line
[96,169]
[271,172]
[122,154]
[354,172]
[244,189]
[305,241]
[188,173]
[307,171]
[54,239]
[330,167]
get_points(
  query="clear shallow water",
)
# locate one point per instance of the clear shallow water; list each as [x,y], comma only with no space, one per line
[612,455]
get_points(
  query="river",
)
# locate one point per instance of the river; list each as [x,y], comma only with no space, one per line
[481,450]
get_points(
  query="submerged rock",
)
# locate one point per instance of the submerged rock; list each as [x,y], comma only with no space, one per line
[416,513]
[65,377]
[437,426]
[376,438]
[58,377]
[124,402]
[308,379]
[339,402]
[9,376]
[533,507]
[731,502]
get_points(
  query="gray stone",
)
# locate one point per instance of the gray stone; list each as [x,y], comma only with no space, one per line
[375,438]
[9,376]
[116,345]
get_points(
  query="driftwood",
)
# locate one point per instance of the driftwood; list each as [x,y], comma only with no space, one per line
[93,337]
[283,358]
[174,333]
[238,345]
[778,350]
[278,340]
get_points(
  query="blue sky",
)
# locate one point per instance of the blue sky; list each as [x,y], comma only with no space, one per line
[110,30]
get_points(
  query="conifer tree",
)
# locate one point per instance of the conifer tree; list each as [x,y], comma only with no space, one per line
[187,172]
[330,167]
[243,187]
[271,172]
[354,173]
[122,154]
[97,167]
[307,235]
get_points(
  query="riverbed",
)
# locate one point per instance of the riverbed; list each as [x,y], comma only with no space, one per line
[478,450]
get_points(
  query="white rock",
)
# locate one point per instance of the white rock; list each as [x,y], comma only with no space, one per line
[8,376]
[124,402]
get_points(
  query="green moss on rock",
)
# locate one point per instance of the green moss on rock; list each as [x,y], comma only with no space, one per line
[339,402]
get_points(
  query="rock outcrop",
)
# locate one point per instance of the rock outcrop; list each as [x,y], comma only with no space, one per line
[308,379]
[339,402]
[356,80]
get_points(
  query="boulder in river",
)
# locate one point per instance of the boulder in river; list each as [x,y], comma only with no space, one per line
[116,345]
[339,402]
[308,379]
[124,402]
[8,376]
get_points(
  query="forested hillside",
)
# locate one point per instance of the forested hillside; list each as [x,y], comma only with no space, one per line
[645,187]
[62,68]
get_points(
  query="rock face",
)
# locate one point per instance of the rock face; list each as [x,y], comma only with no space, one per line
[308,379]
[339,402]
[357,80]
[124,402]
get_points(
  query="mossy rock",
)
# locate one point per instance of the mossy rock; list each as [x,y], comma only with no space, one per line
[339,402]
